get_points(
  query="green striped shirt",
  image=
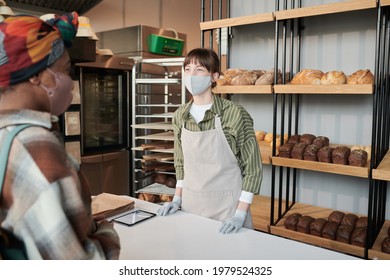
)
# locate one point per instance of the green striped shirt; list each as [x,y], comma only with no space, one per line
[237,126]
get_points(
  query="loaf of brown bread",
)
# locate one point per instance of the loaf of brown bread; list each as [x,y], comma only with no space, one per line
[386,245]
[344,233]
[303,224]
[336,216]
[358,158]
[329,231]
[307,138]
[325,154]
[363,76]
[285,150]
[307,77]
[361,222]
[316,226]
[334,78]
[321,141]
[297,150]
[358,237]
[294,138]
[291,221]
[310,153]
[349,220]
[340,155]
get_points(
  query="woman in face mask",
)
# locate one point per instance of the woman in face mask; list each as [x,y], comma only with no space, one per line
[217,158]
[44,202]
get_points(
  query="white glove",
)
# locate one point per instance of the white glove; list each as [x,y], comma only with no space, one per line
[170,207]
[233,224]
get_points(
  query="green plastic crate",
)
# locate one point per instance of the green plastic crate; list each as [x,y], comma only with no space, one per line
[165,45]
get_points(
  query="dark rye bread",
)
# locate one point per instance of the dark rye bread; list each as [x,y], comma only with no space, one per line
[317,225]
[361,222]
[358,158]
[294,139]
[310,153]
[303,224]
[349,220]
[336,216]
[297,150]
[344,233]
[291,221]
[285,150]
[324,154]
[321,141]
[307,138]
[358,237]
[340,155]
[329,231]
[386,245]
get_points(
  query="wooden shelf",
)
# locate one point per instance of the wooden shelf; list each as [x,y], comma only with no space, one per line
[251,89]
[166,136]
[153,150]
[155,125]
[315,212]
[376,251]
[322,167]
[261,211]
[382,172]
[244,20]
[324,89]
[385,2]
[332,8]
[266,152]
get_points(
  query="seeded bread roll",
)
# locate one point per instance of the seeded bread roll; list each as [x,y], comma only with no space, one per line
[334,78]
[325,154]
[358,158]
[329,231]
[310,153]
[363,76]
[285,150]
[344,233]
[340,155]
[297,150]
[336,216]
[307,77]
[321,141]
[291,221]
[358,237]
[303,224]
[317,225]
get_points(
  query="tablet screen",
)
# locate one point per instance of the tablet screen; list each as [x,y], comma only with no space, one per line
[134,217]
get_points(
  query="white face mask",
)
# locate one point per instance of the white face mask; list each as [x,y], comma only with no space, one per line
[197,85]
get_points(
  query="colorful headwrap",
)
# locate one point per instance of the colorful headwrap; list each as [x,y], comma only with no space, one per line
[28,45]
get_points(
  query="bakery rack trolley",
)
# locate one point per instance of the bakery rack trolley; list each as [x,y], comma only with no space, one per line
[157,91]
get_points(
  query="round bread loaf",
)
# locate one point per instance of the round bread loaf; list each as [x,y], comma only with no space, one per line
[170,182]
[363,76]
[260,134]
[294,138]
[334,78]
[160,178]
[307,77]
[307,138]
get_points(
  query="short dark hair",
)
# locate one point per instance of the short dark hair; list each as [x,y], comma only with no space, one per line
[205,57]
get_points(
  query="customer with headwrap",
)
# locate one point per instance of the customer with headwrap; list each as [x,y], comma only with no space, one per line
[44,202]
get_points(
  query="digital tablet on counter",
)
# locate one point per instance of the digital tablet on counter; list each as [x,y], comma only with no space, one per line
[134,217]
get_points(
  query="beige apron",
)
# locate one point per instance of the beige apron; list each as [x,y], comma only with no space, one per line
[212,177]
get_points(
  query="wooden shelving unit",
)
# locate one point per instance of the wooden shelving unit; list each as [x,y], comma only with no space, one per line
[323,89]
[385,3]
[315,212]
[251,89]
[375,253]
[382,172]
[238,21]
[332,8]
[348,170]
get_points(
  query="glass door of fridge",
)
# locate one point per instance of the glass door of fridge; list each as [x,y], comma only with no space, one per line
[104,109]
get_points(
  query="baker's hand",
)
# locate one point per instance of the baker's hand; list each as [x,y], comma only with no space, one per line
[170,207]
[233,224]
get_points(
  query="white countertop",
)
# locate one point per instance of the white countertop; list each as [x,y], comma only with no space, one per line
[184,236]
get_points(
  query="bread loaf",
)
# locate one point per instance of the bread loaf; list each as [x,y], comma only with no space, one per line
[329,231]
[303,224]
[344,233]
[268,78]
[291,221]
[245,78]
[334,78]
[307,77]
[340,155]
[310,153]
[321,141]
[358,158]
[317,225]
[363,76]
[260,135]
[358,237]
[307,138]
[285,150]
[297,150]
[336,216]
[361,222]
[325,154]
[294,138]
[349,220]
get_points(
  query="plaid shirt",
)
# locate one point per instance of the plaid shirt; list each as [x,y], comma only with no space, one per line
[237,126]
[51,205]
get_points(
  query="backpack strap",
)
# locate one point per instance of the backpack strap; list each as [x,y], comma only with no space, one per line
[5,150]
